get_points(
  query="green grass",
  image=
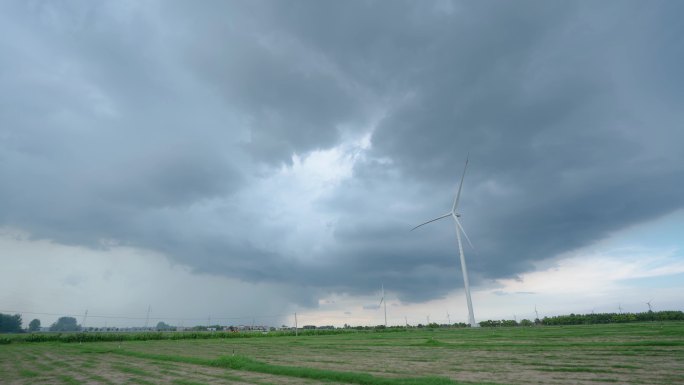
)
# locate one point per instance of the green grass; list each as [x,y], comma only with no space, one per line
[139,381]
[186,382]
[28,373]
[251,365]
[575,369]
[648,353]
[248,364]
[132,370]
[65,379]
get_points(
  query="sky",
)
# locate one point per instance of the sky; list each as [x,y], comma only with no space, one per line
[237,162]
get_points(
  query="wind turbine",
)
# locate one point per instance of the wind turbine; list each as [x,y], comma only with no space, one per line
[459,230]
[382,301]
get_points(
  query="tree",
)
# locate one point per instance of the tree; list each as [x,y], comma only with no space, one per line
[65,324]
[34,325]
[10,323]
[163,326]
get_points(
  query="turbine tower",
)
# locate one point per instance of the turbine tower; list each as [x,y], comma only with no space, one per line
[459,230]
[382,301]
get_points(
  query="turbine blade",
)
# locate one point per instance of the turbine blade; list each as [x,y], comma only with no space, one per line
[431,220]
[458,195]
[458,223]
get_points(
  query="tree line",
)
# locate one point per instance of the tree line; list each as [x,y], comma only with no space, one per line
[13,324]
[593,318]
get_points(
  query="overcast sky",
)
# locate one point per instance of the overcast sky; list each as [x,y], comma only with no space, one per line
[249,159]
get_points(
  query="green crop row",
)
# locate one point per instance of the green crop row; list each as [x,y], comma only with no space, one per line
[147,336]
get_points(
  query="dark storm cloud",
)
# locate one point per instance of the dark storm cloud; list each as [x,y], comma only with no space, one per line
[150,124]
[565,120]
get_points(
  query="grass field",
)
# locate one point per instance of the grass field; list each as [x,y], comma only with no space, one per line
[651,353]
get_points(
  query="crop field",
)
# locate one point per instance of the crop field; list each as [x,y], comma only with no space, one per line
[647,353]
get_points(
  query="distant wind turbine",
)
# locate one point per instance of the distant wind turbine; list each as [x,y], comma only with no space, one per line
[459,230]
[382,301]
[147,319]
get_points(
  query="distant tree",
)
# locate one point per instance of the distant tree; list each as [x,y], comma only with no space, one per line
[509,322]
[65,324]
[163,326]
[34,325]
[490,323]
[526,322]
[10,323]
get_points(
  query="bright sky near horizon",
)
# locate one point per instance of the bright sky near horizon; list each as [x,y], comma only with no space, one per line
[241,161]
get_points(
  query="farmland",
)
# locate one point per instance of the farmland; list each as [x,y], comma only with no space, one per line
[647,353]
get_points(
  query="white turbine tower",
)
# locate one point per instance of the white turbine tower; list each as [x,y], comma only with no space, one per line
[459,230]
[383,302]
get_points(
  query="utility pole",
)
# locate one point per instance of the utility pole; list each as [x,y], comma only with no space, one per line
[296,333]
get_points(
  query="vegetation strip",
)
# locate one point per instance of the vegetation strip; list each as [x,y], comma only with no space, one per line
[251,365]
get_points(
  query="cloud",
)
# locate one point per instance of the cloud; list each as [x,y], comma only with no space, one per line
[297,144]
[371,307]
